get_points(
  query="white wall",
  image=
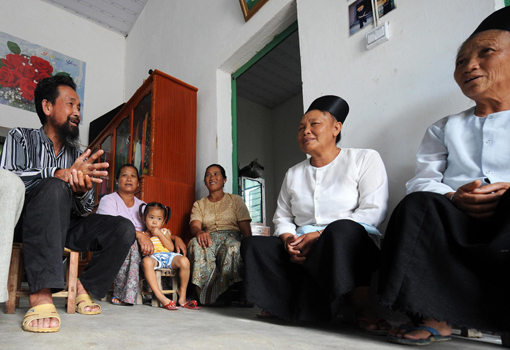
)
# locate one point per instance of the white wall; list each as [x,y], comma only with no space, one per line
[202,43]
[286,149]
[397,89]
[56,29]
[270,136]
[286,118]
[255,141]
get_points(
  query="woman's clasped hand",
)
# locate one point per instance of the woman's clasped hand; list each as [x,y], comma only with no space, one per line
[298,247]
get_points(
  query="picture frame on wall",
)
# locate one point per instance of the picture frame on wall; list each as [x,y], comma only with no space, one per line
[250,7]
[360,15]
[23,64]
[384,6]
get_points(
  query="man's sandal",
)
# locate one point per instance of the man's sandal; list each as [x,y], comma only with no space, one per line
[39,312]
[83,301]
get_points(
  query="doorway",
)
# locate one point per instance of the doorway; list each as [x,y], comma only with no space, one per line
[267,104]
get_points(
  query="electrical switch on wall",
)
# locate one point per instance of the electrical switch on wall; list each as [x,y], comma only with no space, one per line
[377,36]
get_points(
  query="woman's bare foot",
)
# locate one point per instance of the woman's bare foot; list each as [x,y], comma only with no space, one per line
[398,331]
[40,297]
[81,290]
[441,327]
[373,324]
[366,318]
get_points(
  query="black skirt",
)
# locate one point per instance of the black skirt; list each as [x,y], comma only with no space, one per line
[438,262]
[343,258]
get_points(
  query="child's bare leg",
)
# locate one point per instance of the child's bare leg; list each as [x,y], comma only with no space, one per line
[150,275]
[182,264]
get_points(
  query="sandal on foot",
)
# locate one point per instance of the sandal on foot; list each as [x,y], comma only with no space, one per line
[405,327]
[171,306]
[245,303]
[363,323]
[83,301]
[192,305]
[38,312]
[434,337]
[265,314]
[117,301]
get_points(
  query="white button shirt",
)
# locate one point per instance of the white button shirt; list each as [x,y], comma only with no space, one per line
[353,186]
[461,148]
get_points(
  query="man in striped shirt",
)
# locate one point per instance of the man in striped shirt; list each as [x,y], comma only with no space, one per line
[58,179]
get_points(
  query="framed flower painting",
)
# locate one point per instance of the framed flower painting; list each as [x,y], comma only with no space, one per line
[23,65]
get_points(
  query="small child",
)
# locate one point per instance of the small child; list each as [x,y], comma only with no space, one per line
[155,215]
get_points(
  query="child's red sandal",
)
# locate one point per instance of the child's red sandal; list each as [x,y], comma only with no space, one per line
[192,305]
[171,306]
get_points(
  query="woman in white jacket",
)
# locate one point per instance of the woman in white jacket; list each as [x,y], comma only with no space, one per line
[326,222]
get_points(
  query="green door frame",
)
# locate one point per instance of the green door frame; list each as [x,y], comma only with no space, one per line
[277,40]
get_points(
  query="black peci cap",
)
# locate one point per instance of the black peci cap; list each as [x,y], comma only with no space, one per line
[332,104]
[497,20]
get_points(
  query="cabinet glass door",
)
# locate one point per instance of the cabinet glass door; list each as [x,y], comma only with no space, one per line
[121,146]
[106,186]
[142,135]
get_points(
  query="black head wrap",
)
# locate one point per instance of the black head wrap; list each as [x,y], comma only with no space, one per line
[497,20]
[332,104]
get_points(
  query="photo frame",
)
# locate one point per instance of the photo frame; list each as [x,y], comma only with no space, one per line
[385,6]
[360,15]
[250,7]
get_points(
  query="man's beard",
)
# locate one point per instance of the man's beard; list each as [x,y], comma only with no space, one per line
[68,134]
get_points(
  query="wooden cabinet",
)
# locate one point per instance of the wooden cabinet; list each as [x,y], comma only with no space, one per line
[156,132]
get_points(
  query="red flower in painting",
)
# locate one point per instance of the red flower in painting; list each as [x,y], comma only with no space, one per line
[25,71]
[41,65]
[27,88]
[13,61]
[42,76]
[8,78]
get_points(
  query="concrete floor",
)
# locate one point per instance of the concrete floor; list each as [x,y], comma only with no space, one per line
[216,327]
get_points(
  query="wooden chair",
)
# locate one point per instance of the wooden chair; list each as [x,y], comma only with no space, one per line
[159,274]
[16,271]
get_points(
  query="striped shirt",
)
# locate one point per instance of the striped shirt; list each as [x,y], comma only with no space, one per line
[29,153]
[158,246]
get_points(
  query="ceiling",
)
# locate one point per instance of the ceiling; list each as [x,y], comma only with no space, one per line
[116,15]
[276,77]
[271,81]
